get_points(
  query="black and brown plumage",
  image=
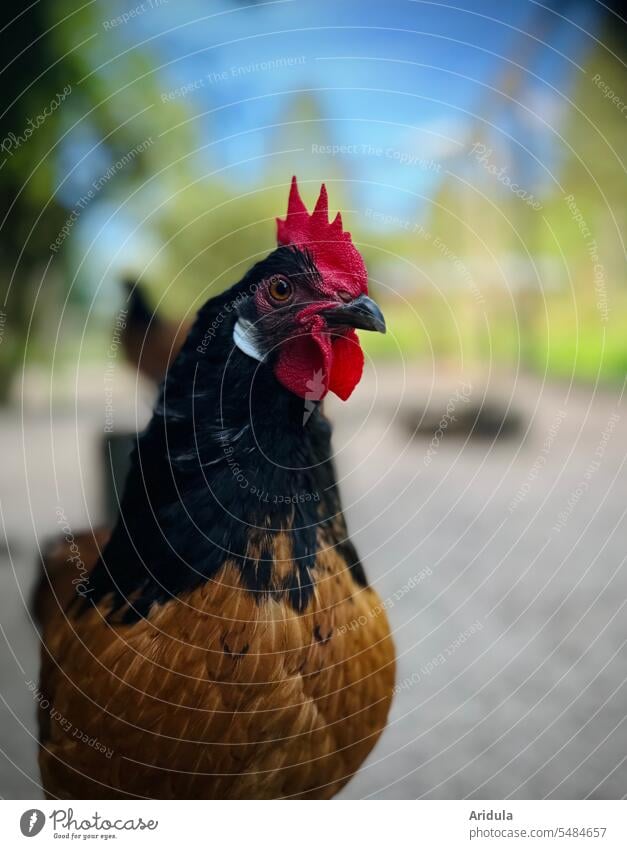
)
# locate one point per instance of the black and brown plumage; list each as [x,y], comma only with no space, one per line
[227,643]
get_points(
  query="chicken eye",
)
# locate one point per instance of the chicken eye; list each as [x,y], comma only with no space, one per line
[280,289]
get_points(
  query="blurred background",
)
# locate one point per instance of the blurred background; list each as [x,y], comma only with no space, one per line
[476,153]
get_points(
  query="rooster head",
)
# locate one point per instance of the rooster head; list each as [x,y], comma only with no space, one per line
[304,303]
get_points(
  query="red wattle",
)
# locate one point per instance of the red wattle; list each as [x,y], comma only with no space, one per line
[347,365]
[303,365]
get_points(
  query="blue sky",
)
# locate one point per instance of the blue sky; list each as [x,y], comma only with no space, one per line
[378,69]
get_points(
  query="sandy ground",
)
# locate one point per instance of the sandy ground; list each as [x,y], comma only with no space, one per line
[509,621]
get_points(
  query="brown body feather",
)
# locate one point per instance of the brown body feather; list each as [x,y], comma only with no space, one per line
[217,694]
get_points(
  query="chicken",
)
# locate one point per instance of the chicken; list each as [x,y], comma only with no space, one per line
[226,642]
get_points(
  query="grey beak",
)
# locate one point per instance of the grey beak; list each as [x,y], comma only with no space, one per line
[362,314]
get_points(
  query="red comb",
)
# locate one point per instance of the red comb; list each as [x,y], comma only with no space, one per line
[337,259]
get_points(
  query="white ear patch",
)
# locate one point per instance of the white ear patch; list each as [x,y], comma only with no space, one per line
[244,338]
